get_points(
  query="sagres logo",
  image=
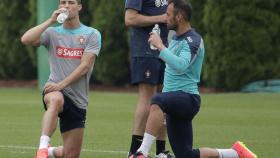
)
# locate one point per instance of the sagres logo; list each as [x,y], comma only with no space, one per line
[74,53]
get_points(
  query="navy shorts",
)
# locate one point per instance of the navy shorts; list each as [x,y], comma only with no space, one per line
[147,70]
[71,117]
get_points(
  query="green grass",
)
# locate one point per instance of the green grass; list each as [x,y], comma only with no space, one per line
[223,118]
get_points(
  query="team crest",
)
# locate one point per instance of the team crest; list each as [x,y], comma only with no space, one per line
[148,74]
[190,39]
[82,40]
[159,3]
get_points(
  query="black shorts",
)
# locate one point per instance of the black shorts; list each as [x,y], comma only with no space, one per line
[147,70]
[71,117]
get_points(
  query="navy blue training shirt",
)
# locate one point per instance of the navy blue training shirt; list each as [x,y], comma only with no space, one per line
[139,35]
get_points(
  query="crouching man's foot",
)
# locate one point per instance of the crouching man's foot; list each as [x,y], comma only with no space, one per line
[243,151]
[42,153]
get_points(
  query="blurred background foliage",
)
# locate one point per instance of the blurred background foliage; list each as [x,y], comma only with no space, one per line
[241,39]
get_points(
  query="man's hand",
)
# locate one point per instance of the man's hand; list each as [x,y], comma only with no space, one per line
[156,41]
[51,87]
[163,18]
[56,13]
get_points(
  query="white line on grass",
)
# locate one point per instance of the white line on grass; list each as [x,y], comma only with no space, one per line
[83,150]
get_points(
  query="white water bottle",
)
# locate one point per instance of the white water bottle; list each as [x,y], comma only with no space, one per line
[62,16]
[156,30]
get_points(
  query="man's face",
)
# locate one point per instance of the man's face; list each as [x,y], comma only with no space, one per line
[171,18]
[72,6]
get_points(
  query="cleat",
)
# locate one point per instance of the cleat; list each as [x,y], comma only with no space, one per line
[138,155]
[42,153]
[165,154]
[129,155]
[243,151]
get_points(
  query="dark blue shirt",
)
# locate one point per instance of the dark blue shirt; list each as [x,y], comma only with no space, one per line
[139,35]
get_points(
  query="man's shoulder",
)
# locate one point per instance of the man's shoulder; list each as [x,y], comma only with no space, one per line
[89,30]
[192,37]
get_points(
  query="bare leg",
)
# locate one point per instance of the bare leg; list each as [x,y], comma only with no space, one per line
[208,153]
[162,131]
[54,102]
[72,144]
[153,126]
[154,123]
[146,91]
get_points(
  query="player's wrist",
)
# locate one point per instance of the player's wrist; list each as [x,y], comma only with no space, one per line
[51,21]
[61,85]
[161,47]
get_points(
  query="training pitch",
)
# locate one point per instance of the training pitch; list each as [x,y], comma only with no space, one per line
[223,118]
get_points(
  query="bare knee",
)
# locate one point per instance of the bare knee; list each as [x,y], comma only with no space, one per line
[154,108]
[54,101]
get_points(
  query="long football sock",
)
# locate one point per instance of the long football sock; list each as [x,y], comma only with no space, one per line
[44,141]
[136,142]
[145,147]
[160,146]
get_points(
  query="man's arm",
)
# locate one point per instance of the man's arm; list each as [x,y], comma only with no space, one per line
[86,64]
[133,18]
[32,36]
[179,63]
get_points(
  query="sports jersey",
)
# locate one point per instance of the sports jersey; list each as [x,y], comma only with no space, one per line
[65,48]
[183,59]
[139,36]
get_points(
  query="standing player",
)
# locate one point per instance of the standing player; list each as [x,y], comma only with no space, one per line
[180,99]
[146,68]
[72,48]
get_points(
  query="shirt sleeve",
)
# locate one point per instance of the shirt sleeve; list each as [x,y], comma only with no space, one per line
[93,43]
[45,37]
[179,63]
[134,4]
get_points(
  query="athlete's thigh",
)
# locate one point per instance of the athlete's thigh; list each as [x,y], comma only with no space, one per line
[72,142]
[178,104]
[180,135]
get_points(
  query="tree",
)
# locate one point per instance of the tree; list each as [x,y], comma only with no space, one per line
[197,15]
[112,66]
[241,42]
[17,61]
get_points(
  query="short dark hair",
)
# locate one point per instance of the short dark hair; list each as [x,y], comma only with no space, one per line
[184,7]
[79,1]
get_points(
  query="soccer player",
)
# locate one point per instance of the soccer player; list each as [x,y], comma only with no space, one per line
[180,99]
[72,48]
[146,68]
